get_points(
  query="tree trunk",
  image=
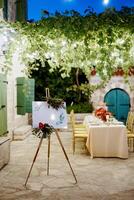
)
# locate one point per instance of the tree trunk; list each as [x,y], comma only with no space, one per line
[77,77]
[77,83]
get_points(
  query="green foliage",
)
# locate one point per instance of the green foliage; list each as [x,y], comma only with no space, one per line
[82,107]
[82,89]
[68,40]
[59,87]
[55,103]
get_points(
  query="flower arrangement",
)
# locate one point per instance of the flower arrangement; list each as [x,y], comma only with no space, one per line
[102,114]
[43,129]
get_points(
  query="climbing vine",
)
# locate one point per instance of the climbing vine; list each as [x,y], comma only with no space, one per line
[69,40]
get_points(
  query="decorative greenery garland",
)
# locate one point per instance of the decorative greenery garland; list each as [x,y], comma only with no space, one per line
[44,130]
[55,103]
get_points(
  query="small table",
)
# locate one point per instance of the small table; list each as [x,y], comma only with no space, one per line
[106,139]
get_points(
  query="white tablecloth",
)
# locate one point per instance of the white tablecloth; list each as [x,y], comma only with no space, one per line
[106,140]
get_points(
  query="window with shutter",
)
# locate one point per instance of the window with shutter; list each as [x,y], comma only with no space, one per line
[1,3]
[21,10]
[25,95]
[30,94]
[3,104]
[21,95]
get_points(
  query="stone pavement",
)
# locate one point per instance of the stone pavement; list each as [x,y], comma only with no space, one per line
[98,178]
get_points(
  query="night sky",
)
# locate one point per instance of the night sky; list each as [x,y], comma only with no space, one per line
[35,6]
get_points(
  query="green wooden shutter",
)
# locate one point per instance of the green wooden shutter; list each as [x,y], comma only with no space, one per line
[25,95]
[21,95]
[5,9]
[30,94]
[21,10]
[0,105]
[1,3]
[3,104]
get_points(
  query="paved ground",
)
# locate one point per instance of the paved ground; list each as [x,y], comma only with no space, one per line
[98,178]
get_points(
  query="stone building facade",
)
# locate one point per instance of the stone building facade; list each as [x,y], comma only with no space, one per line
[17,125]
[13,10]
[114,83]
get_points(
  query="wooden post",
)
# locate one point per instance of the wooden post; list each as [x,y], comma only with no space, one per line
[34,159]
[48,154]
[47,92]
[60,142]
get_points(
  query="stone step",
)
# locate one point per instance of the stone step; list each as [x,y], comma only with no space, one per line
[22,132]
[4,151]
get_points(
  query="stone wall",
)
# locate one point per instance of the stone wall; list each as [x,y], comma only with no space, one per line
[1,14]
[14,120]
[4,151]
[115,82]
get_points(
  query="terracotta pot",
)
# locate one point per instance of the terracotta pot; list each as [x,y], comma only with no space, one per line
[119,72]
[131,71]
[93,72]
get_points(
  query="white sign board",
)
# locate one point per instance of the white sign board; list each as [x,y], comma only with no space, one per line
[42,112]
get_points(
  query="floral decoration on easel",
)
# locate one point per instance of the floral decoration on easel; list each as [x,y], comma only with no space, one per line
[43,129]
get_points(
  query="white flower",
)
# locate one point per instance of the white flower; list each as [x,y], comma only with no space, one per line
[49,55]
[64,43]
[120,41]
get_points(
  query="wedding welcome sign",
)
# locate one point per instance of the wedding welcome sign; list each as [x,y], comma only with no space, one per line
[43,112]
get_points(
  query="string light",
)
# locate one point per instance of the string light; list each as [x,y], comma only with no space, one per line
[105,2]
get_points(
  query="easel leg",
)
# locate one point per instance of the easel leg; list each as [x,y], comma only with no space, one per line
[34,159]
[58,137]
[48,154]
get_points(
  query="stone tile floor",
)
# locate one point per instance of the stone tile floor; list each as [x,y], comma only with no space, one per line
[98,178]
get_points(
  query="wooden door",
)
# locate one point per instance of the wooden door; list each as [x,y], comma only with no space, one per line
[118,103]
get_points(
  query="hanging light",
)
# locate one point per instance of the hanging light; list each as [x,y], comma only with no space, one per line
[105,2]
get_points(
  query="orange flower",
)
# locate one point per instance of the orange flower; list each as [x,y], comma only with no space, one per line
[102,113]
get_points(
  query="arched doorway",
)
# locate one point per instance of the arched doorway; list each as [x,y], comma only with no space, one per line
[118,103]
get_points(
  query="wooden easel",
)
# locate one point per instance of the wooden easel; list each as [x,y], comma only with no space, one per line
[56,131]
[48,156]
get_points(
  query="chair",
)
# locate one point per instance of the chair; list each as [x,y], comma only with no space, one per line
[130,129]
[130,137]
[79,130]
[75,124]
[129,122]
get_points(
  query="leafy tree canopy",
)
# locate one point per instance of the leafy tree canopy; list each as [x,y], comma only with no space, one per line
[68,40]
